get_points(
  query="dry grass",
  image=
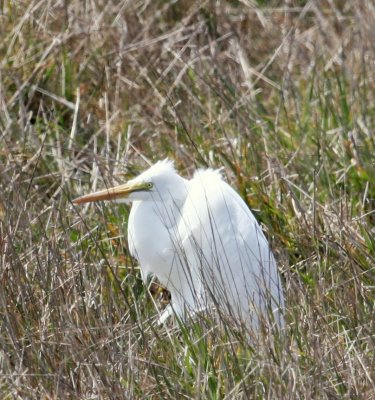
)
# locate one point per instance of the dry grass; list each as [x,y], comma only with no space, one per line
[279,92]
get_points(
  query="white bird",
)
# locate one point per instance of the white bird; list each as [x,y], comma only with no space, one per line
[202,242]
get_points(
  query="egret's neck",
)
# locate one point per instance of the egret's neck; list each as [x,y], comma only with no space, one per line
[152,228]
[167,202]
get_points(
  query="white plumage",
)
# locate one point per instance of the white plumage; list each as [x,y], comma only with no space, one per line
[202,242]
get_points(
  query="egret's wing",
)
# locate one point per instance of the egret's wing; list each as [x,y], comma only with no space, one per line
[225,246]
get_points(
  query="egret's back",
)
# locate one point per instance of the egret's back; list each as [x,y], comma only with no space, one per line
[222,240]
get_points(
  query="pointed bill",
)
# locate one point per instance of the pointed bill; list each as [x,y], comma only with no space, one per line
[114,193]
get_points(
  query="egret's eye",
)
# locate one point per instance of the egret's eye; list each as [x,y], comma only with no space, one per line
[150,185]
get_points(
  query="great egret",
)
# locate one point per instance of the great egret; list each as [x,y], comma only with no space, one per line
[202,242]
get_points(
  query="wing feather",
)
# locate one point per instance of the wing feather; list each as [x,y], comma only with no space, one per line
[225,246]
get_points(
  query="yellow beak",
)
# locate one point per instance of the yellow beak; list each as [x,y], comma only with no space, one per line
[114,193]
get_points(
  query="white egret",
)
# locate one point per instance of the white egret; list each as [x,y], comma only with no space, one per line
[202,242]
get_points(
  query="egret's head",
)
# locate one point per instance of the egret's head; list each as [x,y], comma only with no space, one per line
[158,182]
